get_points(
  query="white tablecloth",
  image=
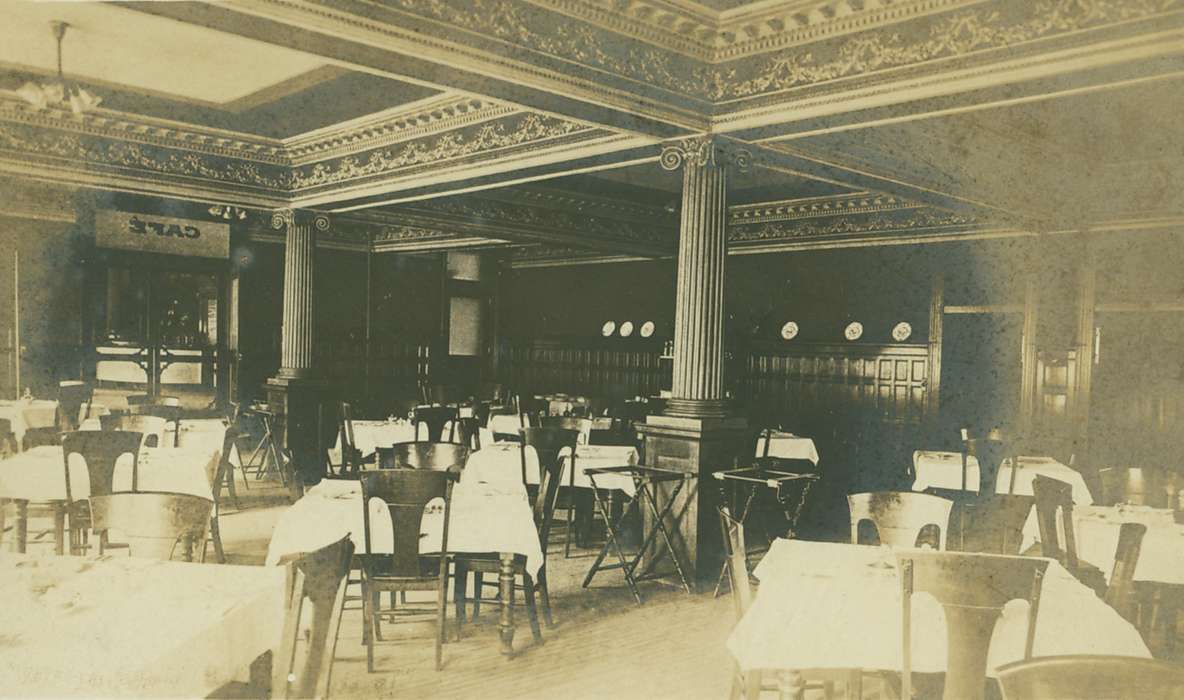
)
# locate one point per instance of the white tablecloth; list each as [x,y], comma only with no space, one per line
[787,446]
[121,626]
[372,434]
[837,606]
[1161,556]
[37,474]
[944,470]
[24,415]
[502,423]
[501,463]
[485,518]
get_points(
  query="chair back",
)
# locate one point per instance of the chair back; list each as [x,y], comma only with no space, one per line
[1120,591]
[532,409]
[7,439]
[406,492]
[320,578]
[436,417]
[901,517]
[154,522]
[989,452]
[433,456]
[100,450]
[1091,678]
[152,428]
[994,524]
[972,589]
[224,474]
[351,457]
[468,432]
[548,443]
[72,395]
[736,559]
[581,425]
[1053,495]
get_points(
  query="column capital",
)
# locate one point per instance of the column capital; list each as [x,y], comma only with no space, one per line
[702,151]
[282,219]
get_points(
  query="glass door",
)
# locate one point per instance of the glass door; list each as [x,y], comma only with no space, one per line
[162,333]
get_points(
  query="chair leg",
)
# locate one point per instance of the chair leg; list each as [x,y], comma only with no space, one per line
[376,613]
[216,536]
[752,685]
[460,580]
[532,612]
[546,596]
[478,590]
[570,515]
[441,612]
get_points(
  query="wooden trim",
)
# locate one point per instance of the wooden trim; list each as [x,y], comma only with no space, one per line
[986,309]
[1028,356]
[1079,392]
[936,328]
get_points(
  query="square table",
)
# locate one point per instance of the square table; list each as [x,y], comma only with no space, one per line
[502,462]
[127,627]
[485,518]
[786,446]
[944,470]
[823,606]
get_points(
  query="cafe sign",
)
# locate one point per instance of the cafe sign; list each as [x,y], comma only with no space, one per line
[150,233]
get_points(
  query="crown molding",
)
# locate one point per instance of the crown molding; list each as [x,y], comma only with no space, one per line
[815,207]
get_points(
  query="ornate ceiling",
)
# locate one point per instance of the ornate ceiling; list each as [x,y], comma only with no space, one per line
[450,122]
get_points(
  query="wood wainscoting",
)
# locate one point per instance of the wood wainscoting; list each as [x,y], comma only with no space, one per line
[604,368]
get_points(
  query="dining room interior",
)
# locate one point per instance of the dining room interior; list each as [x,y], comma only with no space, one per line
[559,348]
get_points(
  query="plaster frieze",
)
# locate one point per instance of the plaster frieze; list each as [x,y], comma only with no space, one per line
[848,225]
[565,200]
[814,207]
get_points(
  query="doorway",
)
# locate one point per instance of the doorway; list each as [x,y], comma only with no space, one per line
[162,332]
[981,371]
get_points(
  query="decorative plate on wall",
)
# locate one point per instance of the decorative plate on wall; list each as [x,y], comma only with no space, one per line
[626,329]
[902,331]
[607,329]
[647,329]
[789,331]
[853,331]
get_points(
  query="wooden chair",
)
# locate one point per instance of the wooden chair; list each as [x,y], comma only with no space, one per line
[317,579]
[1091,678]
[154,523]
[72,396]
[736,562]
[100,450]
[1120,591]
[989,452]
[992,524]
[468,432]
[581,425]
[901,518]
[972,590]
[223,478]
[1139,486]
[435,418]
[351,456]
[1053,495]
[434,456]
[406,492]
[548,444]
[532,409]
[151,428]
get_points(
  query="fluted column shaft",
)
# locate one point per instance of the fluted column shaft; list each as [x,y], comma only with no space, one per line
[698,384]
[296,346]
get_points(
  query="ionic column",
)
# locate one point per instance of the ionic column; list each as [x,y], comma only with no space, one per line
[698,386]
[299,254]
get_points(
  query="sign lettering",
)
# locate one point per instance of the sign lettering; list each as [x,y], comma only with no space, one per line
[162,234]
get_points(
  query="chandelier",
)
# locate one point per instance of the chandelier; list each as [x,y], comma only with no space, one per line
[59,93]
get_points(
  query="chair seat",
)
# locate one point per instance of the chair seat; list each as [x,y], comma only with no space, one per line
[379,568]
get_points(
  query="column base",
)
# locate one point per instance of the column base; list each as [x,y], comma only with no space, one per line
[696,408]
[698,446]
[296,403]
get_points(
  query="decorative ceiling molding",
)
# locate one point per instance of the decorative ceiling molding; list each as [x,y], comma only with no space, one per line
[565,200]
[715,37]
[814,207]
[403,123]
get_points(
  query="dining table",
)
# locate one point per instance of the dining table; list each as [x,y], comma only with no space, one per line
[786,445]
[936,469]
[503,461]
[369,435]
[119,626]
[486,517]
[825,606]
[38,475]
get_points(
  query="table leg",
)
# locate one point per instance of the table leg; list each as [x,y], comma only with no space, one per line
[790,685]
[506,583]
[22,526]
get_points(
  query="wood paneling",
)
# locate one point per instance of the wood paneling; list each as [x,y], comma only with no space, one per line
[591,366]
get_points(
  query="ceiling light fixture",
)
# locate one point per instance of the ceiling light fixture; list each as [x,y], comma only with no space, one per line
[225,211]
[59,94]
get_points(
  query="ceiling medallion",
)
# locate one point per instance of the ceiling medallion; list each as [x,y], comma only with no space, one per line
[789,331]
[853,331]
[902,331]
[59,93]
